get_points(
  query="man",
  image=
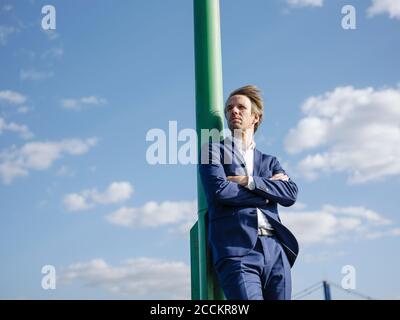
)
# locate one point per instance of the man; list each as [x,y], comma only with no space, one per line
[252,251]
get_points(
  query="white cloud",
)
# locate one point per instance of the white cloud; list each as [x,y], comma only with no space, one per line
[305,3]
[35,75]
[137,278]
[333,224]
[358,131]
[23,130]
[5,32]
[391,7]
[183,214]
[38,155]
[395,232]
[80,103]
[76,202]
[298,205]
[12,97]
[116,192]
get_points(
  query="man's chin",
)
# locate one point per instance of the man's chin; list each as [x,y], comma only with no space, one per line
[235,125]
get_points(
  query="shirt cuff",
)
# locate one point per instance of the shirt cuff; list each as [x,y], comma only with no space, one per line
[250,184]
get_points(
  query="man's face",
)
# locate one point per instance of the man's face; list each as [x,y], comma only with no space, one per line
[238,113]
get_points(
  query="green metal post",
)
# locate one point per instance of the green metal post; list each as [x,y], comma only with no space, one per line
[194,262]
[209,115]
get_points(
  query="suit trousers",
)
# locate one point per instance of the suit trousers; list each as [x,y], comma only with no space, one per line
[262,274]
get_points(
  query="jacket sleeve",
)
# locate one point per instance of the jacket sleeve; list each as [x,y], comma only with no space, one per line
[216,186]
[282,192]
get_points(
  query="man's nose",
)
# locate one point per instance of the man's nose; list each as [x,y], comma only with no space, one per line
[235,110]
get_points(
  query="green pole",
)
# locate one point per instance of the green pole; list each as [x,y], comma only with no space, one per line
[209,115]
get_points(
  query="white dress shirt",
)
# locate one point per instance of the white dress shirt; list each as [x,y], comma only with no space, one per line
[248,156]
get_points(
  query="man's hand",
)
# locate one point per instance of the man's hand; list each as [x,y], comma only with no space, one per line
[242,180]
[279,176]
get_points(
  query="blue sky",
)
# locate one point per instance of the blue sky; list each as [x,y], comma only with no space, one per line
[76,105]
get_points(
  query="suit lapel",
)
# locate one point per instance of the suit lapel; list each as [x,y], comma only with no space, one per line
[234,151]
[238,154]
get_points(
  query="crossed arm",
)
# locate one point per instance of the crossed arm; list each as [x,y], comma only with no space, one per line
[278,188]
[232,190]
[244,180]
[219,189]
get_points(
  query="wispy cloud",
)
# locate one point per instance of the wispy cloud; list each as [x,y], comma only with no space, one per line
[7,7]
[5,32]
[357,130]
[23,109]
[137,278]
[390,7]
[116,192]
[332,224]
[305,3]
[65,171]
[51,34]
[23,130]
[323,256]
[15,162]
[12,97]
[180,215]
[79,104]
[35,75]
[55,52]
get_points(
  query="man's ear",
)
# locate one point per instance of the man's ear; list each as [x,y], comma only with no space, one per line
[256,118]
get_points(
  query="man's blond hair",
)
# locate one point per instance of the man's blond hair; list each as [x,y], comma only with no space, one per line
[257,104]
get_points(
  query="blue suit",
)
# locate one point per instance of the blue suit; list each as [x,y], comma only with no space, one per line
[232,209]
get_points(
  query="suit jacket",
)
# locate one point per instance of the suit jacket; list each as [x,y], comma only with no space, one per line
[232,209]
